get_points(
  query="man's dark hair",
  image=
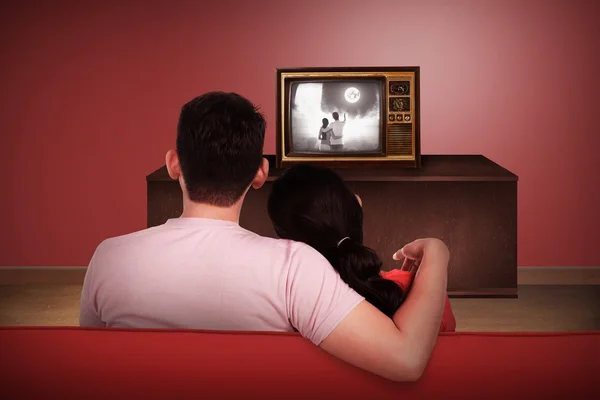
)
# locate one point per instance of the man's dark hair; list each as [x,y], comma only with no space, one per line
[220,138]
[335,115]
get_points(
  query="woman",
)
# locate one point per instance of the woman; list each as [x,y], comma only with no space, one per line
[313,205]
[325,133]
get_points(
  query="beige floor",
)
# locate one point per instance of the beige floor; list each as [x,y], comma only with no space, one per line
[538,308]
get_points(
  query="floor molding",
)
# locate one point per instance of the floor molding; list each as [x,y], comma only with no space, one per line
[525,275]
[42,275]
[558,275]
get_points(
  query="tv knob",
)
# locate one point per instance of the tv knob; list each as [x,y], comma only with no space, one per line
[407,118]
[391,117]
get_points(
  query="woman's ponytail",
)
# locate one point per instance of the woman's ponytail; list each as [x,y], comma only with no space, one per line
[360,268]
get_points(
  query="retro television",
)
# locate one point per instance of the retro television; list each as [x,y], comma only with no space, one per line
[348,117]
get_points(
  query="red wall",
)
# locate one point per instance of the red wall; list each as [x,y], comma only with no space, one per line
[91,94]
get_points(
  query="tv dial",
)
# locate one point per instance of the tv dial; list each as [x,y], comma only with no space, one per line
[392,117]
[401,88]
[400,104]
[407,118]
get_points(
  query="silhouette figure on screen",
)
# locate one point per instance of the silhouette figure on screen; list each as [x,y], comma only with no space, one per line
[337,138]
[325,133]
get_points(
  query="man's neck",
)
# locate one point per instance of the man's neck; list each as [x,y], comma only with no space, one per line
[200,210]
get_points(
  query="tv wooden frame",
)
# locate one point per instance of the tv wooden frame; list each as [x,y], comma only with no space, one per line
[285,157]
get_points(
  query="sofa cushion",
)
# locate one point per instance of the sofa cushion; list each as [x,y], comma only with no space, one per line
[117,363]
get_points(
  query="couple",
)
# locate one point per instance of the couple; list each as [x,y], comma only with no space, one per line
[204,271]
[331,136]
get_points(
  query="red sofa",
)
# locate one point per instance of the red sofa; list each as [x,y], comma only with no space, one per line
[70,363]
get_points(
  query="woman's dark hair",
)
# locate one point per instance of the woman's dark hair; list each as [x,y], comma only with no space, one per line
[313,205]
[325,122]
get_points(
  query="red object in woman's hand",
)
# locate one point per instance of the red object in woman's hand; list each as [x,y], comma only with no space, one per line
[405,279]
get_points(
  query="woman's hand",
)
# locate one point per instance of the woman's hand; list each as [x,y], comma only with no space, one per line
[414,251]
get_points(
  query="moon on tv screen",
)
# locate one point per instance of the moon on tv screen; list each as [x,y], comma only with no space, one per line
[352,95]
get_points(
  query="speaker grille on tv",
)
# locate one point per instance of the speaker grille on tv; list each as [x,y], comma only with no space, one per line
[399,140]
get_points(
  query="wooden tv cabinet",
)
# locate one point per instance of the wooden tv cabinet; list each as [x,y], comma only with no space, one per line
[467,201]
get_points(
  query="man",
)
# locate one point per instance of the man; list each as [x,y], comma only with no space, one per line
[204,271]
[337,139]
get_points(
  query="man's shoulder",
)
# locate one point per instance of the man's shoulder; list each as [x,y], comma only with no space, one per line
[123,241]
[262,249]
[295,253]
[308,261]
[302,250]
[133,236]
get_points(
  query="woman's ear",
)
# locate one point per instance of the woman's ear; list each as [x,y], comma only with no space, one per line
[359,199]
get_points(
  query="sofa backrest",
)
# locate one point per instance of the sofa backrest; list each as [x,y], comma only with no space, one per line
[85,363]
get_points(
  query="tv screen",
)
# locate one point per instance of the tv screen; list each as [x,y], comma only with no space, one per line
[333,116]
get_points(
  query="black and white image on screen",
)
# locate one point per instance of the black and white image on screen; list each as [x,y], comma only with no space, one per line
[335,116]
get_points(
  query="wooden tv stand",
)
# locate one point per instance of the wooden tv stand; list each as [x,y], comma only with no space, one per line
[467,201]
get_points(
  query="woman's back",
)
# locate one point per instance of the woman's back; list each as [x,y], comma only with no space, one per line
[325,133]
[324,142]
[313,205]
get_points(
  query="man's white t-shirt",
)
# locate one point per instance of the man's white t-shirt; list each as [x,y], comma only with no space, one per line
[338,130]
[197,273]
